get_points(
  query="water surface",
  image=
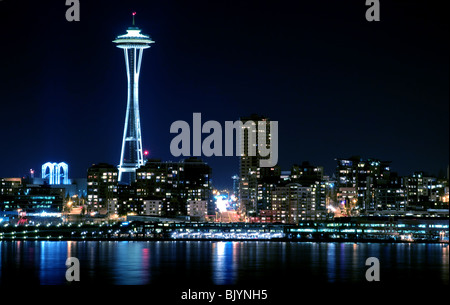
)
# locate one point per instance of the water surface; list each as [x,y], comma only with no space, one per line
[220,263]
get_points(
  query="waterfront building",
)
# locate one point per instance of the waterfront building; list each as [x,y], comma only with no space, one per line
[389,194]
[32,201]
[360,174]
[197,210]
[102,188]
[175,184]
[152,207]
[128,201]
[268,179]
[249,165]
[10,186]
[293,203]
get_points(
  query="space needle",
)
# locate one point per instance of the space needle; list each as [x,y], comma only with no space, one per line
[133,44]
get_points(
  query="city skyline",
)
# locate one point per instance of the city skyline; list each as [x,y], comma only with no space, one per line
[262,151]
[382,92]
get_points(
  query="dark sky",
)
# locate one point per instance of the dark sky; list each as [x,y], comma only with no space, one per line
[337,84]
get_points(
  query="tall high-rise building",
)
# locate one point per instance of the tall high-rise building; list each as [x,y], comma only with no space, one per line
[269,178]
[249,164]
[133,43]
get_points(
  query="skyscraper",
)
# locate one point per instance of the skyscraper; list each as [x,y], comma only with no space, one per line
[249,165]
[131,157]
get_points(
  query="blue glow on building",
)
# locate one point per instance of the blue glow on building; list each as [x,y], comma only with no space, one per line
[54,172]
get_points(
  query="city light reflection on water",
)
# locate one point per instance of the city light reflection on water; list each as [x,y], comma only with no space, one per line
[445,271]
[52,259]
[223,261]
[331,262]
[219,263]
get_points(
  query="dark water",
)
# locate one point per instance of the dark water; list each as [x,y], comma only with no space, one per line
[220,263]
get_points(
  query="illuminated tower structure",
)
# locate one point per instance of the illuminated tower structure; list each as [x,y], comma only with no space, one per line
[54,172]
[131,157]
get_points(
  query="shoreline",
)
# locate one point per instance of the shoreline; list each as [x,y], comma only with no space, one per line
[337,240]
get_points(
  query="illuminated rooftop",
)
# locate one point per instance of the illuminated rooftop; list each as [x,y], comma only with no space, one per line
[133,39]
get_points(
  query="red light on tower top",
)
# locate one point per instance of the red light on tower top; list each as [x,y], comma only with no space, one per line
[134,14]
[146,153]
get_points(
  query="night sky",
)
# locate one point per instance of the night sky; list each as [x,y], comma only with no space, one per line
[337,84]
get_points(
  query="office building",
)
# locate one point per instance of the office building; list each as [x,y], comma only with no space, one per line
[361,175]
[249,163]
[175,183]
[102,188]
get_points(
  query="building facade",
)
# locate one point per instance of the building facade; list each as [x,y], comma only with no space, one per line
[102,189]
[175,184]
[294,203]
[249,162]
[30,201]
[361,175]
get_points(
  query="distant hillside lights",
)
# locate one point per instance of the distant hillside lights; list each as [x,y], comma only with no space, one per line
[259,142]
